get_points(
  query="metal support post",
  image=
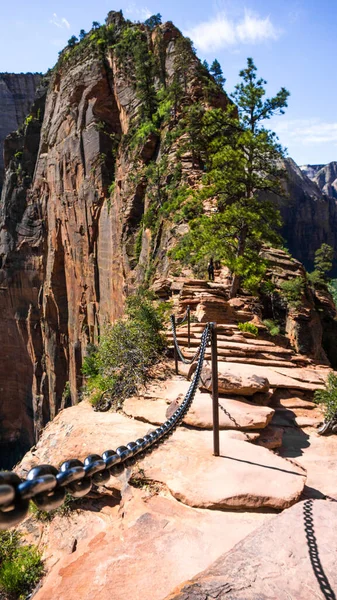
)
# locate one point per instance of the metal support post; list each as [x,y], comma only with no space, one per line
[189,326]
[174,346]
[215,390]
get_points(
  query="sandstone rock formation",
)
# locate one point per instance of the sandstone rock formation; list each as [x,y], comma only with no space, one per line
[240,414]
[310,327]
[291,556]
[239,479]
[17,93]
[72,206]
[233,383]
[149,546]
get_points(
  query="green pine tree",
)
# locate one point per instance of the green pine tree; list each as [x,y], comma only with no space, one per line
[153,21]
[216,71]
[323,260]
[72,41]
[242,163]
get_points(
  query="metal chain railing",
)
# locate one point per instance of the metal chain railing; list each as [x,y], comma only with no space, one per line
[229,415]
[47,486]
[184,318]
[186,361]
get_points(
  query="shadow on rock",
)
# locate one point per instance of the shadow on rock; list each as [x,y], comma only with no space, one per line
[317,567]
[294,441]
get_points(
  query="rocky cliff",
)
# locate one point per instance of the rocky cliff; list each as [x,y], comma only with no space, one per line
[94,179]
[17,93]
[326,179]
[309,215]
[80,177]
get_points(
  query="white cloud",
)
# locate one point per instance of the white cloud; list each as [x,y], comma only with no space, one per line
[221,31]
[306,131]
[141,13]
[60,22]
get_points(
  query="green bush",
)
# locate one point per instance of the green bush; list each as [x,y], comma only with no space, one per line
[28,119]
[126,350]
[248,328]
[111,188]
[291,291]
[316,280]
[332,287]
[21,566]
[274,328]
[142,133]
[328,397]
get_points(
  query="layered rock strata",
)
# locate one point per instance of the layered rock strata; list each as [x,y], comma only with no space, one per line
[72,205]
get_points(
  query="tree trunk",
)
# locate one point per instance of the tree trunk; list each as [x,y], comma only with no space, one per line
[241,248]
[235,285]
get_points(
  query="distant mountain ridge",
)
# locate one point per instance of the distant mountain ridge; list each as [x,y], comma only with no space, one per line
[325,176]
[309,213]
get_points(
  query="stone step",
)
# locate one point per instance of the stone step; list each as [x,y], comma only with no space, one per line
[237,335]
[195,282]
[227,356]
[240,414]
[247,348]
[220,326]
[202,290]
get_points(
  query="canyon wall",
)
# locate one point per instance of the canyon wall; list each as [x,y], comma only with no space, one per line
[325,176]
[72,203]
[17,93]
[82,215]
[309,216]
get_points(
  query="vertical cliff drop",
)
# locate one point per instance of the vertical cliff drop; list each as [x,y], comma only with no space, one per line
[72,208]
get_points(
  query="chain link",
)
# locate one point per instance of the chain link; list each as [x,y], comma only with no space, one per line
[184,318]
[186,361]
[229,415]
[46,486]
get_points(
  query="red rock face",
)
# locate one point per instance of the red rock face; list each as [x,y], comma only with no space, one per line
[65,259]
[62,257]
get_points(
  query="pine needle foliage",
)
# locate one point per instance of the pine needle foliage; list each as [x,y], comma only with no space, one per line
[242,168]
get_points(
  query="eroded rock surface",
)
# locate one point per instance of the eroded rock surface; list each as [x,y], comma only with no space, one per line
[234,383]
[290,557]
[152,545]
[244,476]
[240,413]
[72,206]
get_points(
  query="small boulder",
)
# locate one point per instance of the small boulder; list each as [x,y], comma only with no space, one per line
[234,383]
[234,413]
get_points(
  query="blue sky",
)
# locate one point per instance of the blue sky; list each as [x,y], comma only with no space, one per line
[293,44]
